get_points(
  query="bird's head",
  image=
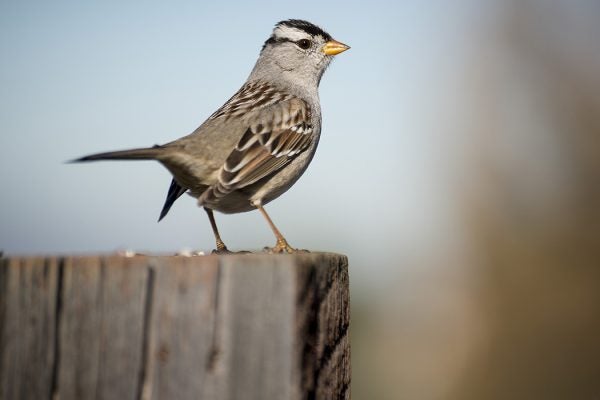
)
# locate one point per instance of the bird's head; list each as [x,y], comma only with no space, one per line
[298,50]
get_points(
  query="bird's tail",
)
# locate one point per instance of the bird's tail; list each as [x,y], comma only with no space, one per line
[149,153]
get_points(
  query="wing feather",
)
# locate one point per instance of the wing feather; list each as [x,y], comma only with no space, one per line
[276,134]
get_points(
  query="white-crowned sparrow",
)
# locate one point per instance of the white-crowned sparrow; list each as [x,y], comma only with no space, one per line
[257,145]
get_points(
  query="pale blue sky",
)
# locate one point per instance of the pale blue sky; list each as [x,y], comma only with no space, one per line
[82,77]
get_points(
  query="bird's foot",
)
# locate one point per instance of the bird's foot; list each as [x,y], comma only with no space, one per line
[282,247]
[222,249]
[227,251]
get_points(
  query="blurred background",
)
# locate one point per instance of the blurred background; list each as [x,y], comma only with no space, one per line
[459,169]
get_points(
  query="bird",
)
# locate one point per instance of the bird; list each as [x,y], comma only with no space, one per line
[258,144]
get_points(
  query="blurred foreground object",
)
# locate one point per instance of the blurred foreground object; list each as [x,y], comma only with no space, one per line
[506,305]
[210,327]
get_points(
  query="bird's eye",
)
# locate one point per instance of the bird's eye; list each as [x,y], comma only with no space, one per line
[303,43]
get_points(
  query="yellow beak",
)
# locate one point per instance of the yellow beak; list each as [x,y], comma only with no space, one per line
[334,47]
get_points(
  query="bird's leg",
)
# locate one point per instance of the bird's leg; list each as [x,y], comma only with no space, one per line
[221,248]
[282,245]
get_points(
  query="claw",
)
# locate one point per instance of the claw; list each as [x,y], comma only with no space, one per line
[224,250]
[221,251]
[281,247]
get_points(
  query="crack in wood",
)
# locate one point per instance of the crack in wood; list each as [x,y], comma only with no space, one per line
[101,325]
[329,350]
[214,353]
[148,302]
[54,386]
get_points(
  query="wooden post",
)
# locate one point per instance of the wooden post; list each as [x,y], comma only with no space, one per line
[246,327]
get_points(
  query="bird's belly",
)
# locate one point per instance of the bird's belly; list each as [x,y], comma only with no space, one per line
[265,190]
[276,185]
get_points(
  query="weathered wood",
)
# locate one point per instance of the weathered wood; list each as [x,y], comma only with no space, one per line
[181,325]
[28,289]
[211,327]
[101,327]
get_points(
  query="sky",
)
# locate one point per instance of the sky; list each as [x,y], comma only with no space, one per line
[85,77]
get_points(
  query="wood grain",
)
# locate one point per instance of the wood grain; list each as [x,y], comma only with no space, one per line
[27,327]
[249,326]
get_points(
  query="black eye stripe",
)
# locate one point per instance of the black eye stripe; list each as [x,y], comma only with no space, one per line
[273,40]
[278,40]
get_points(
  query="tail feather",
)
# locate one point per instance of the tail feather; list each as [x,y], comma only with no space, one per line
[175,192]
[149,153]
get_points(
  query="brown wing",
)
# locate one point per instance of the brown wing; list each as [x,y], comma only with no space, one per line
[275,136]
